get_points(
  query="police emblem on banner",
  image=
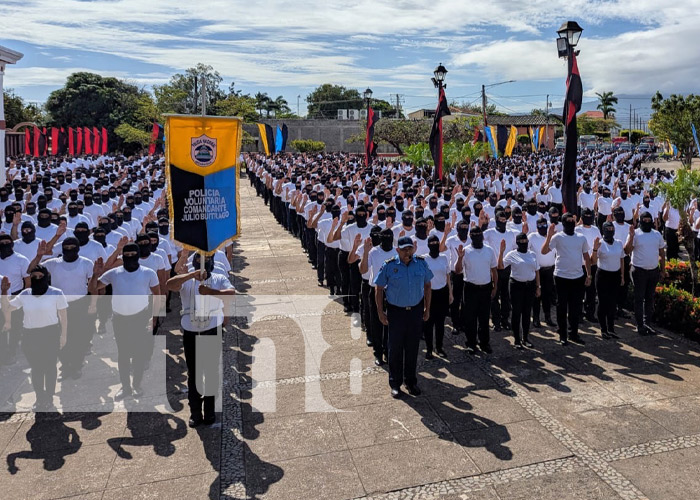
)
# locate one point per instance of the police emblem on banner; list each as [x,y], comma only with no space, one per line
[203,150]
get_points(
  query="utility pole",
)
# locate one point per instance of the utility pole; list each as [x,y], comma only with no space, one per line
[483,106]
[298,97]
[204,96]
[629,132]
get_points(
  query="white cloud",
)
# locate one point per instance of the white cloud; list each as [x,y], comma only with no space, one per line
[36,76]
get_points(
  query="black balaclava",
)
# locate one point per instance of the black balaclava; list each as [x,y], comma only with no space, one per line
[6,246]
[554,219]
[623,194]
[361,217]
[387,239]
[100,236]
[569,223]
[587,217]
[493,199]
[619,215]
[606,193]
[422,228]
[609,233]
[163,226]
[144,243]
[82,233]
[466,214]
[517,216]
[28,232]
[521,242]
[4,194]
[126,217]
[44,219]
[440,223]
[463,230]
[88,200]
[31,208]
[432,204]
[335,212]
[477,237]
[40,285]
[9,214]
[381,213]
[374,233]
[434,246]
[208,264]
[131,262]
[73,195]
[501,222]
[477,209]
[646,222]
[646,201]
[532,209]
[542,226]
[399,204]
[73,209]
[153,237]
[407,219]
[70,249]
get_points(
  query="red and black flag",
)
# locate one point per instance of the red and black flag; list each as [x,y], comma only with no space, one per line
[54,141]
[62,142]
[87,140]
[79,141]
[27,141]
[43,143]
[35,142]
[436,133]
[157,139]
[96,136]
[572,105]
[478,136]
[105,149]
[370,145]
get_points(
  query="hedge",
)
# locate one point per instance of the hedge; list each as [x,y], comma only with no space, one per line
[308,146]
[679,275]
[678,311]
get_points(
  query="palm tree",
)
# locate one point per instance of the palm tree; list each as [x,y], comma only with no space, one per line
[262,102]
[606,99]
[279,105]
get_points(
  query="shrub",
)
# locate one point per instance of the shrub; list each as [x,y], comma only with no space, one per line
[679,275]
[308,146]
[678,311]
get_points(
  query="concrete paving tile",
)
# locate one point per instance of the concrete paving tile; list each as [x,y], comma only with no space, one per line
[294,436]
[282,400]
[511,445]
[276,358]
[575,395]
[7,433]
[42,475]
[609,428]
[479,410]
[415,462]
[338,359]
[488,493]
[456,380]
[678,415]
[196,486]
[330,476]
[667,476]
[357,391]
[579,484]
[389,422]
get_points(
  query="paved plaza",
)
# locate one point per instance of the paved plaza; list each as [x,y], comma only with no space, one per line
[307,415]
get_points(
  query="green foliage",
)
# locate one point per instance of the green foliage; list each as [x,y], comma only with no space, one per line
[524,139]
[134,139]
[636,135]
[474,109]
[242,106]
[17,111]
[183,94]
[605,103]
[595,126]
[308,146]
[678,311]
[326,100]
[418,154]
[671,121]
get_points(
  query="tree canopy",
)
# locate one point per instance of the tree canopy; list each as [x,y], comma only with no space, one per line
[605,103]
[671,120]
[17,111]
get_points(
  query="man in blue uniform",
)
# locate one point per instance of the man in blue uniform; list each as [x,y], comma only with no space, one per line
[406,281]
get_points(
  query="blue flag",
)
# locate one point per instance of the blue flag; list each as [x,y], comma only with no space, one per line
[695,136]
[489,136]
[278,140]
[536,139]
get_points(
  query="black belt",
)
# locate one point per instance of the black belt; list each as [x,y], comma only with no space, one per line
[409,308]
[489,285]
[547,268]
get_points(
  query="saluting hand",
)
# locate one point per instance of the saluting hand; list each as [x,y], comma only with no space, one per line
[460,251]
[596,243]
[551,230]
[5,285]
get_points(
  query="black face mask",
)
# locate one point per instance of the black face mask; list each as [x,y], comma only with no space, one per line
[522,246]
[421,231]
[73,212]
[138,201]
[145,249]
[588,219]
[493,201]
[381,216]
[587,189]
[34,189]
[399,206]
[517,219]
[569,227]
[646,203]
[44,221]
[434,250]
[646,225]
[335,213]
[542,230]
[82,236]
[387,198]
[49,196]
[70,254]
[619,217]
[126,217]
[4,196]
[154,246]
[609,236]
[557,184]
[40,285]
[477,241]
[74,197]
[9,216]
[6,250]
[88,201]
[31,210]
[623,195]
[164,229]
[131,262]
[554,219]
[387,243]
[28,235]
[532,209]
[407,221]
[500,226]
[101,238]
[361,220]
[104,198]
[433,204]
[606,194]
[440,225]
[477,210]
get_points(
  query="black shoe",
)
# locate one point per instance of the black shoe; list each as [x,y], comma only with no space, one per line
[441,353]
[643,331]
[369,343]
[650,330]
[519,345]
[378,361]
[537,324]
[320,283]
[413,390]
[209,419]
[577,340]
[506,326]
[550,322]
[471,350]
[195,421]
[613,335]
[138,392]
[563,342]
[487,349]
[606,335]
[496,328]
[529,344]
[622,314]
[396,393]
[123,394]
[429,355]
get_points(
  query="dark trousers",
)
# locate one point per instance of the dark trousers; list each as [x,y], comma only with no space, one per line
[202,354]
[364,307]
[405,331]
[355,286]
[285,215]
[344,269]
[456,306]
[476,301]
[320,261]
[81,328]
[522,296]
[590,294]
[570,293]
[546,295]
[500,304]
[645,281]
[435,326]
[332,270]
[311,244]
[607,283]
[673,248]
[104,309]
[132,334]
[622,301]
[379,332]
[600,220]
[292,221]
[40,347]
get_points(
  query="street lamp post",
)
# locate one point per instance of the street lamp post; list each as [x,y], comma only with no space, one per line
[368,97]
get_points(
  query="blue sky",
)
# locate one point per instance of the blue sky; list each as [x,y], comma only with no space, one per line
[631,47]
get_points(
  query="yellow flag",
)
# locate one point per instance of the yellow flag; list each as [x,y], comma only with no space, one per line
[512,140]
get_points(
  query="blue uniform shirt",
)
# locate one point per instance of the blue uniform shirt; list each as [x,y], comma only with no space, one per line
[403,283]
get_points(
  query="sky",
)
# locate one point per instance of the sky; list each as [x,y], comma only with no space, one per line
[630,47]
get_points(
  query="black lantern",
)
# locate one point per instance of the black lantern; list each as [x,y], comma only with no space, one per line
[367,94]
[439,78]
[569,35]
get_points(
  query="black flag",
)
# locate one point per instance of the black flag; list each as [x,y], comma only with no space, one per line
[572,105]
[370,145]
[436,133]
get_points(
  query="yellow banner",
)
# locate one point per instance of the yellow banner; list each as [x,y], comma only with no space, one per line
[512,139]
[203,144]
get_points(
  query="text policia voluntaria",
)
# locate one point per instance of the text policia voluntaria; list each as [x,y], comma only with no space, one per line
[204,204]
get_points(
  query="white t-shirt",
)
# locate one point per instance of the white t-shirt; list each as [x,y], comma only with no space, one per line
[605,205]
[477,264]
[453,243]
[622,231]
[14,268]
[523,266]
[130,291]
[609,255]
[590,233]
[28,250]
[70,277]
[569,253]
[536,241]
[645,249]
[440,266]
[493,239]
[93,250]
[41,310]
[375,259]
[211,306]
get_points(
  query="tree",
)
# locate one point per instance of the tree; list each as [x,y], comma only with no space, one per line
[418,154]
[474,109]
[262,102]
[235,104]
[17,111]
[326,100]
[671,121]
[308,145]
[679,193]
[595,126]
[605,103]
[184,91]
[134,139]
[636,135]
[277,106]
